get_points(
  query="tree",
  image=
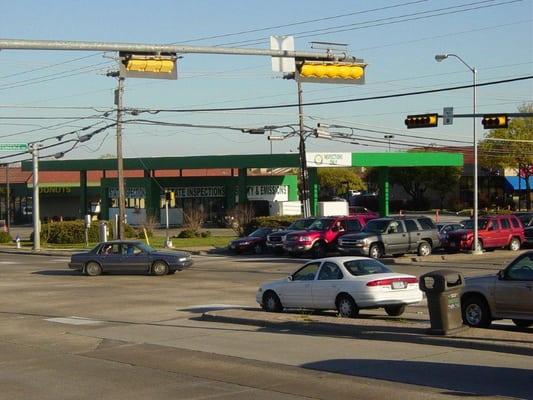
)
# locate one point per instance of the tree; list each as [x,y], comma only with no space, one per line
[514,151]
[443,180]
[415,181]
[338,180]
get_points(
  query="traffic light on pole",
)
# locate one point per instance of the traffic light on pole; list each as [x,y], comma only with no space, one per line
[331,72]
[422,121]
[144,65]
[495,121]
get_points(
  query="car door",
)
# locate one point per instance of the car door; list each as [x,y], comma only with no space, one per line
[413,233]
[326,286]
[492,233]
[514,293]
[297,292]
[134,259]
[505,232]
[395,238]
[112,258]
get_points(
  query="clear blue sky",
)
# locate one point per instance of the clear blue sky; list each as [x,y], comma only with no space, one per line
[496,37]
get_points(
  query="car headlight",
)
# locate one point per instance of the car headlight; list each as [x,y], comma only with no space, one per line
[245,243]
[361,241]
[304,239]
[182,259]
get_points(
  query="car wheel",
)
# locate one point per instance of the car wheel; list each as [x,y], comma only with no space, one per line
[523,323]
[319,250]
[346,307]
[479,245]
[92,268]
[159,268]
[514,245]
[375,251]
[271,302]
[424,249]
[258,248]
[476,312]
[395,311]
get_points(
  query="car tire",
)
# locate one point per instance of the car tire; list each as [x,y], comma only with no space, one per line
[523,323]
[159,268]
[319,250]
[92,268]
[476,312]
[424,249]
[480,245]
[271,302]
[514,244]
[346,307]
[258,248]
[375,251]
[396,310]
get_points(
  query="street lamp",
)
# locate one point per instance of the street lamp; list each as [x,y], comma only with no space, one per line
[439,58]
[389,137]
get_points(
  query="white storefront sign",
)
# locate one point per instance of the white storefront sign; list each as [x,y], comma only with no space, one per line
[268,192]
[329,159]
[198,191]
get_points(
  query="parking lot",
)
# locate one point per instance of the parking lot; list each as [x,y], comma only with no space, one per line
[137,336]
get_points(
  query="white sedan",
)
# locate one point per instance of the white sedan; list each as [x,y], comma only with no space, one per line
[346,284]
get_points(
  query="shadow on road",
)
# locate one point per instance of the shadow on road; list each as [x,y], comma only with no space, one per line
[58,272]
[467,379]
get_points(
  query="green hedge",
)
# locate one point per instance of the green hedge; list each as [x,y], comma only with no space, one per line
[5,237]
[270,222]
[73,232]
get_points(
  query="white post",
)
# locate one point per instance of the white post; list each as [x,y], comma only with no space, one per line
[35,200]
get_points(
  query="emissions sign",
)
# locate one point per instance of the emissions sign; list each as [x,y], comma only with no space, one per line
[13,147]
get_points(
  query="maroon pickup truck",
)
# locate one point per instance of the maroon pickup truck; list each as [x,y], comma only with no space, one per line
[322,234]
[494,232]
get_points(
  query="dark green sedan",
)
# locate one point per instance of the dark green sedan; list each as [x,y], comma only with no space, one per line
[129,256]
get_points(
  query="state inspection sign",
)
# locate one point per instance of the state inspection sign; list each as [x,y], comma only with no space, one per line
[13,147]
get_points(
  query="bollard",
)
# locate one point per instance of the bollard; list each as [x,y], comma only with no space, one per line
[17,240]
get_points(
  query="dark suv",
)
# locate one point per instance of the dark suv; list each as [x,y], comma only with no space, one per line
[392,236]
[275,239]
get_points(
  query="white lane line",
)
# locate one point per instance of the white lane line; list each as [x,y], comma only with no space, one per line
[7,262]
[211,307]
[74,321]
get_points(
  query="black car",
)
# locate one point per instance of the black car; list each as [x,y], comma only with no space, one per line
[129,256]
[254,242]
[275,239]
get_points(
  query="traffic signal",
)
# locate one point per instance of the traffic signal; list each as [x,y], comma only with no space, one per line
[169,196]
[422,121]
[495,121]
[331,72]
[145,65]
[150,65]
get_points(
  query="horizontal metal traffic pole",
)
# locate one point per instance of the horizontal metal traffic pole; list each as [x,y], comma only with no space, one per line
[23,44]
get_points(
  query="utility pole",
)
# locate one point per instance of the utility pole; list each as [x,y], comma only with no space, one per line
[34,150]
[8,200]
[303,159]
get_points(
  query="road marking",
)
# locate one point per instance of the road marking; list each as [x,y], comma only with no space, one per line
[211,307]
[74,321]
[7,262]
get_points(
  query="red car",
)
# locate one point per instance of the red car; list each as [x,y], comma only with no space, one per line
[322,234]
[493,231]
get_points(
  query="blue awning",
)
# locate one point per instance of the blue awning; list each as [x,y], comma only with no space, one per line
[513,183]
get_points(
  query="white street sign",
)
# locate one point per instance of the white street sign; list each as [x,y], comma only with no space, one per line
[447,116]
[282,64]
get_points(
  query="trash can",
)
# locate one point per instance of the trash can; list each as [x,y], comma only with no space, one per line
[443,291]
[102,232]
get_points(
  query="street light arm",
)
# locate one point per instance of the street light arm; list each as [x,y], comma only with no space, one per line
[463,61]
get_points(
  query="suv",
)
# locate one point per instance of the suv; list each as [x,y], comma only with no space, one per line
[275,239]
[394,236]
[505,295]
[322,234]
[493,232]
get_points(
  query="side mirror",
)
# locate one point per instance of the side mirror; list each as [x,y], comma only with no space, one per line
[501,275]
[335,229]
[289,278]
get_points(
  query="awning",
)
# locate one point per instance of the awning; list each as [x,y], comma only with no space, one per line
[513,183]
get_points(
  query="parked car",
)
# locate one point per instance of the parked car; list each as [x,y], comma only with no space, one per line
[129,256]
[444,229]
[321,236]
[354,210]
[392,236]
[496,231]
[254,242]
[276,238]
[507,294]
[525,217]
[345,284]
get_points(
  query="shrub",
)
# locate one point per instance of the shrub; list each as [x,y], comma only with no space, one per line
[206,234]
[187,233]
[274,222]
[5,237]
[73,232]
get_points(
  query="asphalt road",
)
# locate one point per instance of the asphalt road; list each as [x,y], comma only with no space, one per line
[64,335]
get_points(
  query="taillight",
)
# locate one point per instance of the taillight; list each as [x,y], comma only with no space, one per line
[389,281]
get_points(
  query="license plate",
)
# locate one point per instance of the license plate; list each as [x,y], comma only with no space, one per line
[399,285]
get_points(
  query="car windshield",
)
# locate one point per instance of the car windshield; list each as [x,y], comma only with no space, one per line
[376,226]
[300,224]
[321,224]
[259,233]
[482,224]
[365,267]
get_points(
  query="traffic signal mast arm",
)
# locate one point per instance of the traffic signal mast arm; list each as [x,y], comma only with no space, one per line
[489,121]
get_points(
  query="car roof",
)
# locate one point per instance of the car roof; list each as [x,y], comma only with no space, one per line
[341,259]
[123,242]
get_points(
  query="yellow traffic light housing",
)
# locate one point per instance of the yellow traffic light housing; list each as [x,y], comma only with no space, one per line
[331,72]
[495,121]
[148,66]
[422,121]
